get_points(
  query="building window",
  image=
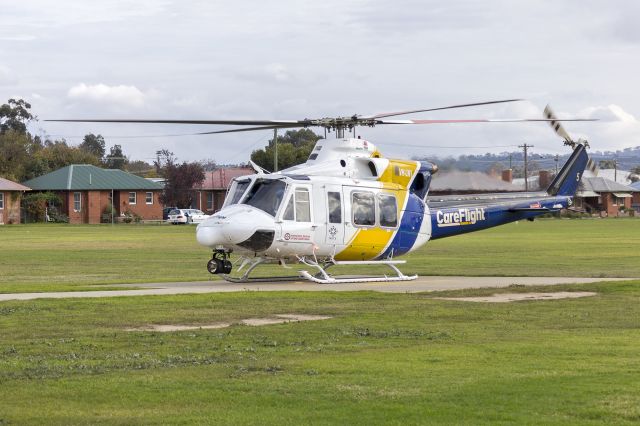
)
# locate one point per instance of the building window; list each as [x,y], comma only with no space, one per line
[388,209]
[132,198]
[210,201]
[1,200]
[364,208]
[149,198]
[77,201]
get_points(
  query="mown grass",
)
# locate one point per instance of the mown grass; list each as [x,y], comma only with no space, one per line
[73,257]
[381,359]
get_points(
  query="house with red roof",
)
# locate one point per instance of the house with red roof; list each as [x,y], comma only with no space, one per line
[210,194]
[10,197]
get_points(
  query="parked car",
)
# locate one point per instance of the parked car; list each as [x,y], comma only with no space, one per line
[177,216]
[165,212]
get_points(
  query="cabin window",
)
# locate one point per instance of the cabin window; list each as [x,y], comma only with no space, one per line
[148,198]
[289,212]
[303,205]
[335,207]
[364,209]
[237,191]
[1,200]
[388,208]
[132,198]
[266,195]
[77,201]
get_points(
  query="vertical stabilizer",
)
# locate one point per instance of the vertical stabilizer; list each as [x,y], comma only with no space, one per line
[567,180]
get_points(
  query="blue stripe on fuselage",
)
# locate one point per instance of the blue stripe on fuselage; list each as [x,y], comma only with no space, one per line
[410,223]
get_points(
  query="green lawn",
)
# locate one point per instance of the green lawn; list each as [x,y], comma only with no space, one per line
[383,358]
[71,257]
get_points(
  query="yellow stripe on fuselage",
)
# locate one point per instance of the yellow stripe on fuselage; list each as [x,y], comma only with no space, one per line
[368,243]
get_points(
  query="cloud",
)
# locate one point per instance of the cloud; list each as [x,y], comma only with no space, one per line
[6,76]
[101,93]
[611,112]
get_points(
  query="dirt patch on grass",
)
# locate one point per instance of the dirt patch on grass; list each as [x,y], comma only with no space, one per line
[518,297]
[277,319]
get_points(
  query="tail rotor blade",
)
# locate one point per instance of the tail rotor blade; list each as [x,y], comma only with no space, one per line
[556,125]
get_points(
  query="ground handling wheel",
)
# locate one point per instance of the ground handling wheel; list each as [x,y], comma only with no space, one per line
[219,263]
[215,266]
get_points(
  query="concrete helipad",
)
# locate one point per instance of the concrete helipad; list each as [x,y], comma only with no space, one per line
[422,284]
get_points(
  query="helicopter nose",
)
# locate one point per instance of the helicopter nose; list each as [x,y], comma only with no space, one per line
[210,236]
[241,226]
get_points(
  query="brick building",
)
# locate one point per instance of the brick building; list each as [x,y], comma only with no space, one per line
[87,191]
[635,200]
[10,196]
[604,196]
[211,192]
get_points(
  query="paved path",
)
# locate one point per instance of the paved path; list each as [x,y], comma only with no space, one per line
[419,285]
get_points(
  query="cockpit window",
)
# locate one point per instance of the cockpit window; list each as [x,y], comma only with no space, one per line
[237,191]
[266,195]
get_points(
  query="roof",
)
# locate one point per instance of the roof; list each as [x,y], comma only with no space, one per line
[9,185]
[456,180]
[620,176]
[600,184]
[636,185]
[220,178]
[81,177]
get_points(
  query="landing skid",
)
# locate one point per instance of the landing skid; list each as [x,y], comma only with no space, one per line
[321,277]
[252,264]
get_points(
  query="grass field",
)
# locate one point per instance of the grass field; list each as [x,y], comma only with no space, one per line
[63,257]
[381,359]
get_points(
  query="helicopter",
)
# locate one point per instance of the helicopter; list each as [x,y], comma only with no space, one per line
[349,205]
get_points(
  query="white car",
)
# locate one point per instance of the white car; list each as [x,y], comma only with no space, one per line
[177,216]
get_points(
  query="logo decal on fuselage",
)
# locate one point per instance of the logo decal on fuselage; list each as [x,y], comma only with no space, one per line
[460,217]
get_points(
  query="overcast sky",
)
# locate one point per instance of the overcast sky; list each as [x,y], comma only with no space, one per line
[308,59]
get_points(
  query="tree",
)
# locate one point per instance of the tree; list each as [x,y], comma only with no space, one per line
[179,182]
[294,148]
[14,115]
[607,164]
[141,168]
[116,158]
[93,144]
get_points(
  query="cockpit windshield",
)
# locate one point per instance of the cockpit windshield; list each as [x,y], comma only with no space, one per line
[237,190]
[266,195]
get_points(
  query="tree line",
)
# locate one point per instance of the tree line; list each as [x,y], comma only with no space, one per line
[24,156]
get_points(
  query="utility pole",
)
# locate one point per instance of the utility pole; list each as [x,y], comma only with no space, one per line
[510,158]
[615,170]
[525,147]
[275,150]
[557,159]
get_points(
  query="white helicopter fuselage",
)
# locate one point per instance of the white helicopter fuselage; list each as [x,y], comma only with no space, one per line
[345,203]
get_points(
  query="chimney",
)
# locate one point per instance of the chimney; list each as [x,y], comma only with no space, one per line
[507,175]
[544,179]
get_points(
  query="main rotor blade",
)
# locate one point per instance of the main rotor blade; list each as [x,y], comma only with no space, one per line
[228,122]
[391,114]
[249,129]
[489,120]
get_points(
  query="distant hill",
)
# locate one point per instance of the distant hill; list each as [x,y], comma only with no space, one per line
[627,159]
